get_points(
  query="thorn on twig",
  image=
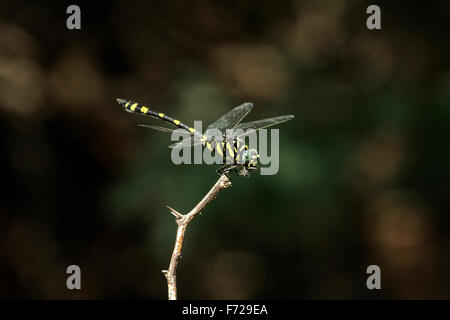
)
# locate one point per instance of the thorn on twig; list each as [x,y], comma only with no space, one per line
[175,213]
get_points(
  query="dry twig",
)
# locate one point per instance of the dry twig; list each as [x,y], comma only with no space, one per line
[183,221]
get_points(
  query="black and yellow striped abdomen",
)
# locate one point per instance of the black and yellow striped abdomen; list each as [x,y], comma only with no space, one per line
[132,106]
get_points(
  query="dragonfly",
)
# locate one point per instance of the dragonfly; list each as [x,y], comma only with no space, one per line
[232,147]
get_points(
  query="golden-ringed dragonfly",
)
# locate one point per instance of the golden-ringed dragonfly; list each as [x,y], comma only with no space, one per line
[235,152]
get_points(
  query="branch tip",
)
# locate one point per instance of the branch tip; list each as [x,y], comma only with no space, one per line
[175,212]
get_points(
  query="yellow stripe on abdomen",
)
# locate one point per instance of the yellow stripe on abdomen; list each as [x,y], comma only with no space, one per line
[218,148]
[230,150]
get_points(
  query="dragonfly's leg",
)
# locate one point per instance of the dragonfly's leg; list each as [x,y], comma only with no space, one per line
[229,169]
[222,169]
[225,169]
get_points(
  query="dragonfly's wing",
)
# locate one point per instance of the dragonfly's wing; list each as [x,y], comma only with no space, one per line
[229,120]
[194,139]
[254,126]
[232,118]
[264,123]
[170,130]
[188,140]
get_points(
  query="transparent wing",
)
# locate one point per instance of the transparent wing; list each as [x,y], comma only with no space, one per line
[193,139]
[254,126]
[232,118]
[158,128]
[229,120]
[198,138]
[264,123]
[188,142]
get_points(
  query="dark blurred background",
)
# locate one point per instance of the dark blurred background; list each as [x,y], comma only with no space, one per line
[364,166]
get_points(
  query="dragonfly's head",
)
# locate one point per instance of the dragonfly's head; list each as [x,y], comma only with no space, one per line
[251,160]
[250,157]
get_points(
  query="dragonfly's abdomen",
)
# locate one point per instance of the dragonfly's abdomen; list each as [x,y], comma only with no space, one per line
[132,106]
